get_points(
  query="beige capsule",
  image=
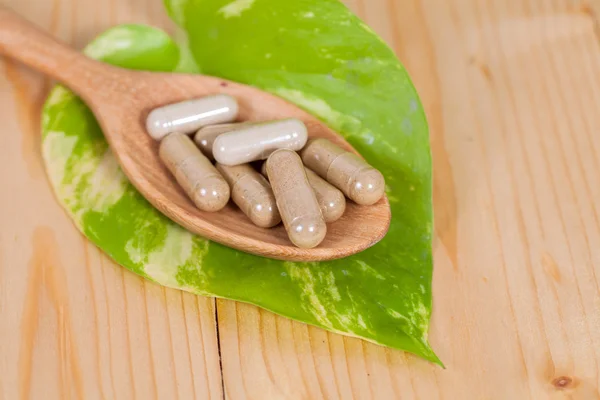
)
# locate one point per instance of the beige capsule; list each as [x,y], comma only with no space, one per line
[330,199]
[296,200]
[258,141]
[189,116]
[205,137]
[252,193]
[344,170]
[194,172]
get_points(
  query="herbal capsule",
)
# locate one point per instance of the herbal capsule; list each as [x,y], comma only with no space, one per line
[189,116]
[206,136]
[346,171]
[194,172]
[296,200]
[251,192]
[330,199]
[258,141]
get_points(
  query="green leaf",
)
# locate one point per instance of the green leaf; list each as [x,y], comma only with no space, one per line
[318,55]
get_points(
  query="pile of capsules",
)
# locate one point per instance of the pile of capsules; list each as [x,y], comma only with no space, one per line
[304,190]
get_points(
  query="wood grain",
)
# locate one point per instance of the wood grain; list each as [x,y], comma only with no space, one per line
[511,90]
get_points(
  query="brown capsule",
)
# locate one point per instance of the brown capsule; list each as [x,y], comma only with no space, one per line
[296,200]
[252,193]
[330,199]
[344,170]
[194,172]
[205,137]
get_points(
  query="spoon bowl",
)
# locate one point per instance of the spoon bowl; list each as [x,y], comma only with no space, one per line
[121,101]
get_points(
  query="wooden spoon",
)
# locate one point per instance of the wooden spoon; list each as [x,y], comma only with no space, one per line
[121,100]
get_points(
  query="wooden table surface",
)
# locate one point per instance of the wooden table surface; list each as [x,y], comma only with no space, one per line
[511,88]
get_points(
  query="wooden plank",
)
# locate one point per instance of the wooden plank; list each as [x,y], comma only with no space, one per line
[72,323]
[510,89]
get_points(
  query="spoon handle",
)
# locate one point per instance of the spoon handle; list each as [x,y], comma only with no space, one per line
[21,40]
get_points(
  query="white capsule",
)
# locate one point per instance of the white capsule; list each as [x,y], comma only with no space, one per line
[189,116]
[258,141]
[206,136]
